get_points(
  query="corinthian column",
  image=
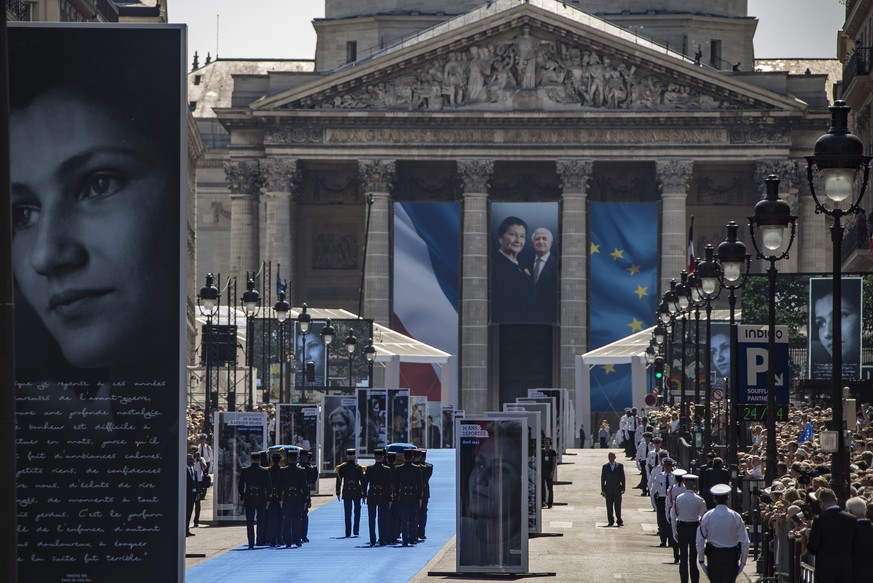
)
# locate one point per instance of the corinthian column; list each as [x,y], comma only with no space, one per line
[575,176]
[377,176]
[674,177]
[244,179]
[475,175]
[281,177]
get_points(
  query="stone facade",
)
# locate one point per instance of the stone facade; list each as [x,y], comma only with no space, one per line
[522,101]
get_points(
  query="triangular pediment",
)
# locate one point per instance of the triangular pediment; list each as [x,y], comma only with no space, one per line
[516,56]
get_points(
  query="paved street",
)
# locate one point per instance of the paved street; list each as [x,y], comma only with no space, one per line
[587,551]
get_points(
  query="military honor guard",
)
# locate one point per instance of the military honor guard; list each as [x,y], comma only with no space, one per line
[254,487]
[427,471]
[408,487]
[311,480]
[377,496]
[294,498]
[687,511]
[662,480]
[643,450]
[349,481]
[274,499]
[722,540]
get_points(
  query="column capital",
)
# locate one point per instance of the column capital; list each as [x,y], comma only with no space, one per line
[575,174]
[789,179]
[280,174]
[475,175]
[243,176]
[377,175]
[674,176]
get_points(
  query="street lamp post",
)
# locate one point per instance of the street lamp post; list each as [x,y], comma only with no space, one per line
[683,303]
[351,345]
[328,333]
[838,158]
[207,303]
[735,263]
[282,308]
[697,301]
[304,322]
[251,305]
[772,216]
[708,272]
[370,356]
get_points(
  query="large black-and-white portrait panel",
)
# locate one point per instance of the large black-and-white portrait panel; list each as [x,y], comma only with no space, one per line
[822,340]
[492,466]
[98,180]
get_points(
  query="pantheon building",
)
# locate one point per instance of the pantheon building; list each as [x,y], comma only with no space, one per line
[392,161]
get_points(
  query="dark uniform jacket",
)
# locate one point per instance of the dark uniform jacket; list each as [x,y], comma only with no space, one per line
[254,485]
[277,480]
[426,473]
[377,484]
[311,475]
[295,485]
[408,484]
[350,476]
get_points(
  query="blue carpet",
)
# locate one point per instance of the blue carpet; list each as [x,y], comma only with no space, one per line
[329,558]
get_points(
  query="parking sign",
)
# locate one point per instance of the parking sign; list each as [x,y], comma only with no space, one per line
[753,362]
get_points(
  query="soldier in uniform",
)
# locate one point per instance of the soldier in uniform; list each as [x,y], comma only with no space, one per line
[274,499]
[294,498]
[722,539]
[688,509]
[407,496]
[658,488]
[311,480]
[427,469]
[254,487]
[643,449]
[349,478]
[377,495]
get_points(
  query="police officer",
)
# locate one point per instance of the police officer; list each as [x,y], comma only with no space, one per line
[408,486]
[349,478]
[274,499]
[722,539]
[294,498]
[643,449]
[377,495]
[658,488]
[254,487]
[427,472]
[311,480]
[688,509]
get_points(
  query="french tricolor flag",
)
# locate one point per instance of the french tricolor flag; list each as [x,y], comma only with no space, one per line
[426,284]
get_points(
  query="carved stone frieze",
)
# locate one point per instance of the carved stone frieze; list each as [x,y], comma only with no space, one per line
[525,188]
[575,174]
[334,250]
[377,175]
[280,174]
[526,69]
[243,177]
[475,175]
[674,176]
[276,134]
[729,191]
[759,134]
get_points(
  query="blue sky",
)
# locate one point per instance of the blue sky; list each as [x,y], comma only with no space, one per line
[787,28]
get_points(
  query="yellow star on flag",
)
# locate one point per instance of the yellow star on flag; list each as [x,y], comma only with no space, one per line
[633,269]
[617,254]
[635,325]
[608,368]
[642,291]
[595,248]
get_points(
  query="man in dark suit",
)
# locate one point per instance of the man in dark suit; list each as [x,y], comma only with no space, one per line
[545,275]
[830,540]
[192,491]
[612,488]
[715,475]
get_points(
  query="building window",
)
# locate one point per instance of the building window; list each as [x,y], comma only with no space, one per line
[197,79]
[715,54]
[351,51]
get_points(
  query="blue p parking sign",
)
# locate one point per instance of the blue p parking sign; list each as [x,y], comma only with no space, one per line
[753,362]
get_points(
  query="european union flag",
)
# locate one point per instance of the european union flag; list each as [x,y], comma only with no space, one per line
[806,434]
[623,289]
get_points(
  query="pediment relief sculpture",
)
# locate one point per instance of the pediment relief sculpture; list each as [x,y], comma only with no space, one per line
[525,71]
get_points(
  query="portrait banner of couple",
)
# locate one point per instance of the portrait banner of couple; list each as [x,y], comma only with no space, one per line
[524,263]
[98,180]
[492,505]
